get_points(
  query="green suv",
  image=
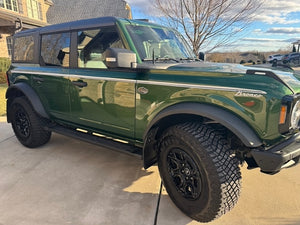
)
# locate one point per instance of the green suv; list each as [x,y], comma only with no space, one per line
[136,86]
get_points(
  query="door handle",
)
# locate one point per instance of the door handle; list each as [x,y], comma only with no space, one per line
[79,83]
[39,80]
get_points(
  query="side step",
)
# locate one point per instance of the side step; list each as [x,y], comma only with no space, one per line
[96,139]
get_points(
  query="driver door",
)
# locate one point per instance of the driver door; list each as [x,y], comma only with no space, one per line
[101,98]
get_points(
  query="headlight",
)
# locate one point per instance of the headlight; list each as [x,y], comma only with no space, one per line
[295,117]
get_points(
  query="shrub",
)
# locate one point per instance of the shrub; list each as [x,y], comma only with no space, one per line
[4,65]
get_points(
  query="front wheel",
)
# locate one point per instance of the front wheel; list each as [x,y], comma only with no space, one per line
[199,171]
[27,125]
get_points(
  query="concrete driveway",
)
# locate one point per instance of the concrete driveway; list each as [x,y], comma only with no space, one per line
[73,182]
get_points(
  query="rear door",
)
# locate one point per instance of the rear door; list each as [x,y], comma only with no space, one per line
[51,79]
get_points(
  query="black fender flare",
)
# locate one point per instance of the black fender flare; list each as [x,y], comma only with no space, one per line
[30,94]
[229,120]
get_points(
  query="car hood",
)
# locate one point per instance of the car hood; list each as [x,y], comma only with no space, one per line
[283,74]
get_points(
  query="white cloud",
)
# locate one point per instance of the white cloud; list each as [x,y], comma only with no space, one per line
[274,19]
[257,31]
[278,12]
[263,40]
[281,7]
[284,30]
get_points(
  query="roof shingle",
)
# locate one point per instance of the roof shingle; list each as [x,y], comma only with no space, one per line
[66,10]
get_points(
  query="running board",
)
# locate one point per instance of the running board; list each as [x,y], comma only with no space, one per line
[97,139]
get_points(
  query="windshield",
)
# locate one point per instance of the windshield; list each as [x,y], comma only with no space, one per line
[158,43]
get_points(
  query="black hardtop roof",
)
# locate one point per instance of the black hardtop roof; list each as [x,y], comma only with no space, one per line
[74,25]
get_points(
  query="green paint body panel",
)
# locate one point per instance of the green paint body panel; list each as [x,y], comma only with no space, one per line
[122,102]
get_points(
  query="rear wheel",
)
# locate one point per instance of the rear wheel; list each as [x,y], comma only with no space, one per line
[199,171]
[27,125]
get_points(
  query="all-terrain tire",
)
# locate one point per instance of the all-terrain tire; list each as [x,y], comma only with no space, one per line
[27,124]
[199,171]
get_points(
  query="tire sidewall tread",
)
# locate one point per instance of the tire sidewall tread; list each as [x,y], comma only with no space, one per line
[216,162]
[38,135]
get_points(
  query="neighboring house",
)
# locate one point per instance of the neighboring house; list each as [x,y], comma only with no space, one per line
[16,15]
[65,11]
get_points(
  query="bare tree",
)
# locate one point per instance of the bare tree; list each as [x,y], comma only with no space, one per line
[208,23]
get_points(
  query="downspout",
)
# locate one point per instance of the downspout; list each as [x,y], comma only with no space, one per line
[20,27]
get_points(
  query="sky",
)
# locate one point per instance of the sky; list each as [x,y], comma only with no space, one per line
[275,27]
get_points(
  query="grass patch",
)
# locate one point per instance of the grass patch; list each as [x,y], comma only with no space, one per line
[3,88]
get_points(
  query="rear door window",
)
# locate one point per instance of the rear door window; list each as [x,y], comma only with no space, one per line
[55,49]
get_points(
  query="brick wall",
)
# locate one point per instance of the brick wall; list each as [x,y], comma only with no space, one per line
[4,31]
[3,45]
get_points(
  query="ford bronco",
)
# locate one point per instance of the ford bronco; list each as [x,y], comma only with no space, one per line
[136,86]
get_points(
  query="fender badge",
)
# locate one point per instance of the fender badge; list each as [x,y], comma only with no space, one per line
[142,90]
[245,94]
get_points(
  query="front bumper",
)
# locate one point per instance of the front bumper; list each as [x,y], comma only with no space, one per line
[279,156]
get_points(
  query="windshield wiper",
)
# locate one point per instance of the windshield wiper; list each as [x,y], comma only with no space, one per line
[190,59]
[166,59]
[158,59]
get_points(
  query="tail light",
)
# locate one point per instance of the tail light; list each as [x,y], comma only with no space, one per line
[7,78]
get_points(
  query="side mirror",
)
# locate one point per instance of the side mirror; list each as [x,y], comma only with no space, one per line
[120,58]
[202,56]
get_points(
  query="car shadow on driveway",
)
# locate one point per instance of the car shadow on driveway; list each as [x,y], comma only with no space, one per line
[72,182]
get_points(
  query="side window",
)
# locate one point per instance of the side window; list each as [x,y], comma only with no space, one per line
[23,49]
[55,49]
[91,44]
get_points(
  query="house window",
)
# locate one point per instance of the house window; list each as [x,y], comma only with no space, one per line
[10,4]
[15,5]
[9,41]
[34,9]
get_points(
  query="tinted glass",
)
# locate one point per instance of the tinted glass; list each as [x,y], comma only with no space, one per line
[55,49]
[157,42]
[91,44]
[23,48]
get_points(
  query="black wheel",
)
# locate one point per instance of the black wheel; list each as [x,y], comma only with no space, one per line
[27,125]
[199,171]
